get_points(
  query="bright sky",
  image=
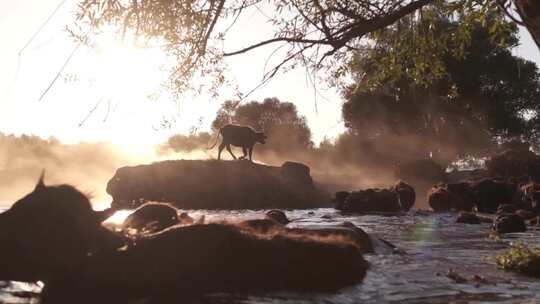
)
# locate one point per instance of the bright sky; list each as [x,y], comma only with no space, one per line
[110,94]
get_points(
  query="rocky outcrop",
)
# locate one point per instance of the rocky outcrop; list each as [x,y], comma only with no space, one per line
[441,200]
[211,184]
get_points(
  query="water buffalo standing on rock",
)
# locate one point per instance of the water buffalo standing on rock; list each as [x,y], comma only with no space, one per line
[239,136]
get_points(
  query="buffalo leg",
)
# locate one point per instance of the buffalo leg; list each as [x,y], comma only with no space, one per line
[220,149]
[230,151]
[250,153]
[245,153]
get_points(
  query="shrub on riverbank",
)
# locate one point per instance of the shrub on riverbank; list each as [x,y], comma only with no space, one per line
[521,259]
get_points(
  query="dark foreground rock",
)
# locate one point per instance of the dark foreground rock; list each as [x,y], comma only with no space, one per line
[468,218]
[508,223]
[211,184]
[216,258]
[52,235]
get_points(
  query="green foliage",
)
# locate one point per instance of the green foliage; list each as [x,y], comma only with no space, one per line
[481,95]
[414,48]
[520,259]
[318,34]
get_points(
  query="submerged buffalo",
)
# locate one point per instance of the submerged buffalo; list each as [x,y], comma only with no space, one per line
[54,236]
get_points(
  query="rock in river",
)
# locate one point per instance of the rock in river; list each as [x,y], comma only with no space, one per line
[211,184]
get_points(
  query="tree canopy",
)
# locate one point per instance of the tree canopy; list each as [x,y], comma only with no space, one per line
[484,95]
[312,33]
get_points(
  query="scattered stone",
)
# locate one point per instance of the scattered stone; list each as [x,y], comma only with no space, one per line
[278,216]
[468,218]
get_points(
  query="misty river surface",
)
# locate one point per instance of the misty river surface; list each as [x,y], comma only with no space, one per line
[433,244]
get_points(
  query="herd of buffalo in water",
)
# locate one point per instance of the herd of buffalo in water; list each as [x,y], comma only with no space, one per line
[53,235]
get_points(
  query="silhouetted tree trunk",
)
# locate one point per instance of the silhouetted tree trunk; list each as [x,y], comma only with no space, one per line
[529,10]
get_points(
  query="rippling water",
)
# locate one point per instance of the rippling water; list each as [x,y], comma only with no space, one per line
[433,245]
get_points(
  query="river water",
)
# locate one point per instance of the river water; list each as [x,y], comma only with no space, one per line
[433,244]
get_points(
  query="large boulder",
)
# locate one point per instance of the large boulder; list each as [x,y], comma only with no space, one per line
[371,200]
[442,200]
[491,192]
[507,223]
[211,184]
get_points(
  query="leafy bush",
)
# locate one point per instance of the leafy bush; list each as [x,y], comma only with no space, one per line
[521,259]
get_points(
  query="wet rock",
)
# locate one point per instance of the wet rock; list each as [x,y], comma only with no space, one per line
[468,218]
[151,217]
[406,195]
[465,200]
[278,216]
[371,200]
[491,192]
[339,199]
[211,184]
[508,223]
[526,214]
[441,200]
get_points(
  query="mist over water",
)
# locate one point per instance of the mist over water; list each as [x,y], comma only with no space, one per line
[87,166]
